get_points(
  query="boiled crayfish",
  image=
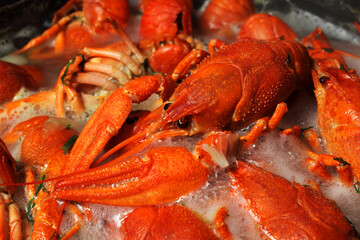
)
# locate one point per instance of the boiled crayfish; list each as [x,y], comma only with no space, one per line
[166,29]
[42,154]
[163,19]
[336,90]
[14,77]
[253,97]
[221,16]
[272,27]
[334,84]
[294,210]
[78,29]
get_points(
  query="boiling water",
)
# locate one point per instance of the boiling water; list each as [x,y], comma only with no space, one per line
[281,155]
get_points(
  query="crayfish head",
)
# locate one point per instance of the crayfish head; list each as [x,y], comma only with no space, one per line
[176,115]
[334,85]
[296,57]
[337,79]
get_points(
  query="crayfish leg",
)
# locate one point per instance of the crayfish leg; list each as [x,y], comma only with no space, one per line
[344,168]
[192,58]
[14,218]
[220,225]
[264,125]
[52,31]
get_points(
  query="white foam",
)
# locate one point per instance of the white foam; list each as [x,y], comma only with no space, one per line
[105,222]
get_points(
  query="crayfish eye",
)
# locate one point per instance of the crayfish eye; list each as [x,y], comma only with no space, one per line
[178,22]
[166,106]
[183,122]
[324,79]
[288,59]
[131,120]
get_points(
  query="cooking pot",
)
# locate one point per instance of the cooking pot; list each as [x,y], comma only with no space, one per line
[21,20]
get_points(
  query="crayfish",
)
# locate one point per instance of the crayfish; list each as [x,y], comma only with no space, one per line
[73,30]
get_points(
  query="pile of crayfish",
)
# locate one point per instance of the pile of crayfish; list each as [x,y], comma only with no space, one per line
[170,136]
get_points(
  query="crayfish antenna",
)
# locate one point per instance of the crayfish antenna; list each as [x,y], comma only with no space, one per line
[121,145]
[120,31]
[140,146]
[357,26]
